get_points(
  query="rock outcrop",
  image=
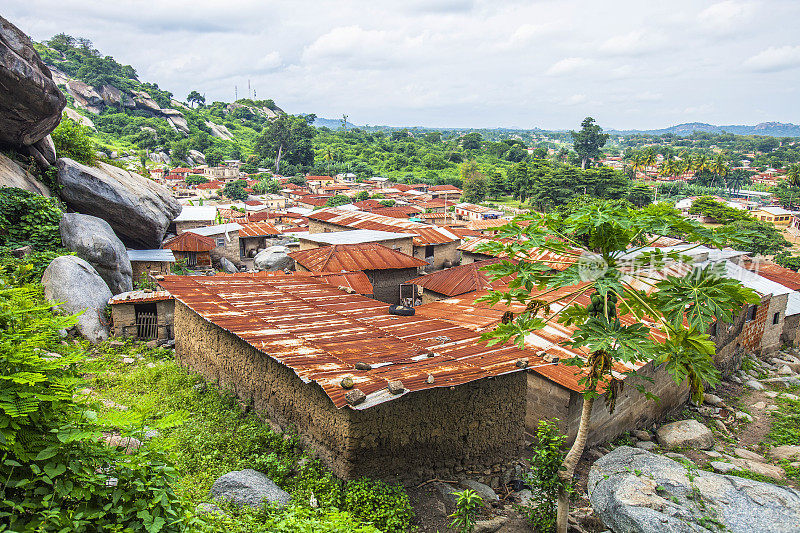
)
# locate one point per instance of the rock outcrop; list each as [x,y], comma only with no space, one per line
[273,258]
[30,102]
[689,433]
[138,209]
[85,96]
[12,175]
[248,487]
[78,288]
[636,491]
[80,119]
[92,239]
[219,131]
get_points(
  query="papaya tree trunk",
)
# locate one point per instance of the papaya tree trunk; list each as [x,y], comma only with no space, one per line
[571,462]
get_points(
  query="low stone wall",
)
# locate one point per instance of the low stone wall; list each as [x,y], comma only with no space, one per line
[474,430]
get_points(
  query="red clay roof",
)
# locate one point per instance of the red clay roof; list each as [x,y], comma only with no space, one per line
[190,242]
[460,280]
[424,233]
[348,257]
[321,333]
[258,229]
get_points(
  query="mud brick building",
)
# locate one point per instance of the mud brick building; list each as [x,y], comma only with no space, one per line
[192,248]
[428,398]
[143,315]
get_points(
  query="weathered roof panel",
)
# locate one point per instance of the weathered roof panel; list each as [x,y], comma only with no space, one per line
[349,257]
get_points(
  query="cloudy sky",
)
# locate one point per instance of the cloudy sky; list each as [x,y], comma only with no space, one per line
[458,63]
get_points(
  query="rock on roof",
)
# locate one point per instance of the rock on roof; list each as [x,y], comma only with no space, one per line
[351,257]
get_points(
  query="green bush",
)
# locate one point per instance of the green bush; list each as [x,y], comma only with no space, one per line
[385,506]
[28,218]
[57,473]
[543,478]
[468,505]
[72,141]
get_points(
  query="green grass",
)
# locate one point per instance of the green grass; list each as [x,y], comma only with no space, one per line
[206,434]
[785,422]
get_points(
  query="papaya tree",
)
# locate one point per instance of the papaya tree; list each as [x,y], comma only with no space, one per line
[625,301]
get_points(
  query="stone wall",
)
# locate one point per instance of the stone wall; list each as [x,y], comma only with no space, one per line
[229,249]
[474,430]
[791,330]
[154,267]
[123,316]
[773,324]
[547,399]
[180,227]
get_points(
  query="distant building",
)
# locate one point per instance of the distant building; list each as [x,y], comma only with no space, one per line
[226,240]
[776,215]
[192,248]
[193,216]
[151,262]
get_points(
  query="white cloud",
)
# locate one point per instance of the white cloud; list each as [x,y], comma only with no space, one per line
[359,47]
[774,59]
[725,18]
[568,65]
[575,99]
[636,42]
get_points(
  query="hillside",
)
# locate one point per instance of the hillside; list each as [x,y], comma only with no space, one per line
[129,118]
[770,129]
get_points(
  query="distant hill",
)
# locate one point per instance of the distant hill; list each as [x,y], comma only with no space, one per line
[771,129]
[332,123]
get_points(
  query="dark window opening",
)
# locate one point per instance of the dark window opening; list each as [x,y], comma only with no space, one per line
[751,312]
[776,318]
[146,320]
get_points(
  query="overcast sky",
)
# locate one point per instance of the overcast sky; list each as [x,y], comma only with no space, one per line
[458,63]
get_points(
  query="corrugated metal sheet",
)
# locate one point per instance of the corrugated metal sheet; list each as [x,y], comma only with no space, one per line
[424,234]
[772,271]
[321,333]
[358,281]
[190,242]
[553,260]
[160,255]
[258,229]
[460,280]
[138,297]
[348,257]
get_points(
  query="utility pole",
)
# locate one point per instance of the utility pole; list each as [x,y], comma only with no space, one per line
[248,88]
[235,93]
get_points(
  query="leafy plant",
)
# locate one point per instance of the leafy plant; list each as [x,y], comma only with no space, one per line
[28,218]
[468,504]
[544,479]
[72,141]
[385,506]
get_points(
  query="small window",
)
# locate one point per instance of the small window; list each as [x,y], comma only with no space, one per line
[220,241]
[751,312]
[776,318]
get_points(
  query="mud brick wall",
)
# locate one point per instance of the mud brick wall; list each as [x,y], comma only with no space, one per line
[473,430]
[547,399]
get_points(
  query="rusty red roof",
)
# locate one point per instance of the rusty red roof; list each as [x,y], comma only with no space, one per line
[424,234]
[190,242]
[368,204]
[774,272]
[444,188]
[554,260]
[357,281]
[321,332]
[396,211]
[460,280]
[139,296]
[347,257]
[258,229]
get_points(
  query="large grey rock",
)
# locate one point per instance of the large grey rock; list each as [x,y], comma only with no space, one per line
[248,487]
[76,285]
[227,266]
[785,452]
[138,209]
[13,175]
[486,492]
[144,101]
[273,258]
[177,119]
[635,491]
[219,131]
[30,102]
[93,240]
[85,96]
[689,433]
[198,157]
[80,119]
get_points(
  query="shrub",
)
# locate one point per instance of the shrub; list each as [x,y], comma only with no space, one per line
[58,475]
[543,478]
[72,141]
[467,506]
[385,506]
[28,218]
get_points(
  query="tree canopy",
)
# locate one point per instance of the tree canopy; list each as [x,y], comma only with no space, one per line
[287,138]
[588,141]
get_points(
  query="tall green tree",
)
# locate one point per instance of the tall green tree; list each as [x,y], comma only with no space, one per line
[474,183]
[599,296]
[195,98]
[287,138]
[588,142]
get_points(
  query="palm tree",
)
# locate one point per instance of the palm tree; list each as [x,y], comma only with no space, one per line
[793,174]
[650,157]
[637,161]
[720,168]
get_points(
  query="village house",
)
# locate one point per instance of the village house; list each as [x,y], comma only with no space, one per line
[437,246]
[467,211]
[456,281]
[229,171]
[192,249]
[151,262]
[226,240]
[255,236]
[402,242]
[449,193]
[274,202]
[399,398]
[142,314]
[773,214]
[387,270]
[316,183]
[193,216]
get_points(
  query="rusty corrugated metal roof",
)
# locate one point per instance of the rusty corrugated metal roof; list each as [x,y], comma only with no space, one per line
[554,260]
[424,234]
[190,242]
[258,229]
[139,296]
[321,333]
[774,272]
[460,280]
[347,257]
[357,280]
